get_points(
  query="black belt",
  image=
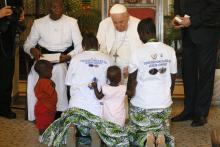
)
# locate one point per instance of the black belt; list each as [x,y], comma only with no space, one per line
[44,50]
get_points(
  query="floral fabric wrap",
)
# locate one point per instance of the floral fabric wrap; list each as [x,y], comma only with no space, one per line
[142,121]
[111,134]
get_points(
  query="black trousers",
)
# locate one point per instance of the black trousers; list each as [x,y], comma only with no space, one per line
[7,62]
[6,79]
[199,62]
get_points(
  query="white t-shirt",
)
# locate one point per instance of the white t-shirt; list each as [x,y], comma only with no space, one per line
[114,103]
[82,70]
[155,63]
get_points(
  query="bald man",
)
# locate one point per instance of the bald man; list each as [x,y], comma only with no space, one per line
[118,36]
[54,33]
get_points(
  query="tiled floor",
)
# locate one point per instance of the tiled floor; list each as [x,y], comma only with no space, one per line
[21,133]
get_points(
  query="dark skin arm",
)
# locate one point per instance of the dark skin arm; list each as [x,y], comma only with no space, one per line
[64,58]
[131,85]
[173,78]
[98,93]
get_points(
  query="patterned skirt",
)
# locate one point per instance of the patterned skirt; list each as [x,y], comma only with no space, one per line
[111,134]
[142,121]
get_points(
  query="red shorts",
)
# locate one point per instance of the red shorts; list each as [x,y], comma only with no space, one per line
[44,117]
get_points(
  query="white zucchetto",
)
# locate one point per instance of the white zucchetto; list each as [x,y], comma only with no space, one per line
[118,9]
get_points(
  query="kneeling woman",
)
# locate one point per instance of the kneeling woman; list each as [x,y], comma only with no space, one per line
[153,66]
[84,108]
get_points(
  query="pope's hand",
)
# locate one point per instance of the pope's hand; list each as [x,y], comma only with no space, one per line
[125,72]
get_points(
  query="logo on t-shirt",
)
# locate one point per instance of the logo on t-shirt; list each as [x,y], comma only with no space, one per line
[154,56]
[93,62]
[154,71]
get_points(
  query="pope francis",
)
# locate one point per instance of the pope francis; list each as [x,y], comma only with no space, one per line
[118,36]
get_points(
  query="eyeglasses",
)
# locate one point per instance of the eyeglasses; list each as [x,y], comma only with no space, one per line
[154,71]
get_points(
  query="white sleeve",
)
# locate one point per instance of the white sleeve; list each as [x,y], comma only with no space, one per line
[77,40]
[32,38]
[173,63]
[133,65]
[101,36]
[70,72]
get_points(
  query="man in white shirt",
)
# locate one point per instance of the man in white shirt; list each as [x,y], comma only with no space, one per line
[54,33]
[118,36]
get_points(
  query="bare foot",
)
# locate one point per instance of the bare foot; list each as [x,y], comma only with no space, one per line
[150,140]
[161,141]
[71,136]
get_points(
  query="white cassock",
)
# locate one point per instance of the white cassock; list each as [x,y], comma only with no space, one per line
[119,45]
[82,70]
[55,36]
[122,44]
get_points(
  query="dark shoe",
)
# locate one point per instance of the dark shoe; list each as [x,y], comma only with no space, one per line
[200,121]
[182,117]
[9,115]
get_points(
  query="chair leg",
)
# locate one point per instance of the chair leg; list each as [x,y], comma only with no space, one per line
[71,137]
[96,142]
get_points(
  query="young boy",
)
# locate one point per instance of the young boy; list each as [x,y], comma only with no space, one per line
[153,67]
[113,97]
[45,108]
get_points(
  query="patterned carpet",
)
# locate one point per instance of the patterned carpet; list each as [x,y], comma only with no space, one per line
[18,132]
[21,133]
